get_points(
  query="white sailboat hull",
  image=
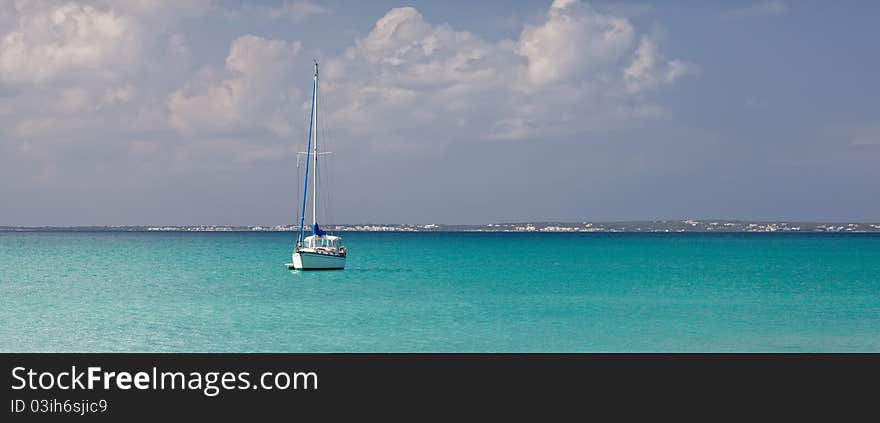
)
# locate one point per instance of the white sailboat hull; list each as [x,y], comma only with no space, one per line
[316,261]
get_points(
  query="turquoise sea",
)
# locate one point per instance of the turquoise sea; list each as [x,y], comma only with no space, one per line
[428,292]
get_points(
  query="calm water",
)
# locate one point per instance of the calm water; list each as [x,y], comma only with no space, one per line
[105,291]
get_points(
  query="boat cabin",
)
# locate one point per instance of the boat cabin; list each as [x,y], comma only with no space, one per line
[328,242]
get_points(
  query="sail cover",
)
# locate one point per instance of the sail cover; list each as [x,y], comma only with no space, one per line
[317,230]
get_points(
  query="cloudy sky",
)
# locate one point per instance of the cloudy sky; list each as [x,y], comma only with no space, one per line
[168,112]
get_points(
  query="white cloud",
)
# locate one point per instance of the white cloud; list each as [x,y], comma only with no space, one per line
[49,42]
[576,71]
[81,80]
[118,78]
[650,69]
[407,75]
[572,40]
[411,84]
[251,93]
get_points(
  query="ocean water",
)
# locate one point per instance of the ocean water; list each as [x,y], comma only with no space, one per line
[429,292]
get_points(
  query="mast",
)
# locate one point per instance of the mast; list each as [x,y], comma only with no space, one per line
[308,152]
[315,178]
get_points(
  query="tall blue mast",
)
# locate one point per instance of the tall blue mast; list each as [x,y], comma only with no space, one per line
[302,215]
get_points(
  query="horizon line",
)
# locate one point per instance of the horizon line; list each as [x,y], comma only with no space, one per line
[522,222]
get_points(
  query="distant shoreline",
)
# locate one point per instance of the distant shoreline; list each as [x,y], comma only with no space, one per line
[659,226]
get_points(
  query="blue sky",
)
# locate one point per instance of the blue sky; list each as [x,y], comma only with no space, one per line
[439,112]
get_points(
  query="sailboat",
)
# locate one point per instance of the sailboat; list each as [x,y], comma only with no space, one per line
[319,250]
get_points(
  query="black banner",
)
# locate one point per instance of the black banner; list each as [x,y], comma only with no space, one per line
[426,386]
